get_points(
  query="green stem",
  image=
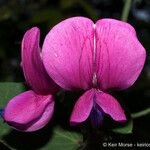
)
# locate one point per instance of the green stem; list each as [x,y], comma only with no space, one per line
[5,144]
[126,10]
[141,113]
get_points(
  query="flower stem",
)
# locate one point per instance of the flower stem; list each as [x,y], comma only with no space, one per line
[126,10]
[5,144]
[141,113]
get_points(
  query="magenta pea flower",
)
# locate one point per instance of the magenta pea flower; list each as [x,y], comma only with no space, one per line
[31,110]
[79,54]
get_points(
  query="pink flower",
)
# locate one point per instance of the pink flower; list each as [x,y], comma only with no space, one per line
[31,110]
[79,54]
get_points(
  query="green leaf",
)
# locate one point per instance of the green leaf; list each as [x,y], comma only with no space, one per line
[125,128]
[7,91]
[63,140]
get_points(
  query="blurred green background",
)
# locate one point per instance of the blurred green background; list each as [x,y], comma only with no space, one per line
[17,16]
